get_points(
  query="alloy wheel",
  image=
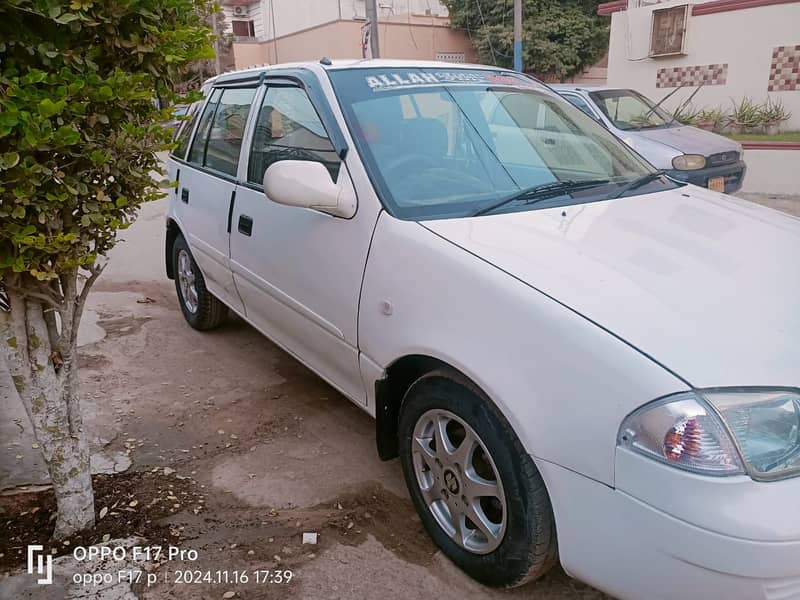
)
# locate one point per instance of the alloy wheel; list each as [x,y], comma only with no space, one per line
[459,481]
[186,279]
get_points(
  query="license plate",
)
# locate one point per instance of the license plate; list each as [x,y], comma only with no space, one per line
[717,184]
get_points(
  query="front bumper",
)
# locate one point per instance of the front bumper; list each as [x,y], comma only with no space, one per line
[733,174]
[634,550]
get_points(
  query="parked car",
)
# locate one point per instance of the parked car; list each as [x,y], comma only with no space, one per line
[575,357]
[179,112]
[686,153]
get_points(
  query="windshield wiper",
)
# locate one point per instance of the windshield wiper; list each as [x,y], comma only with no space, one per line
[541,191]
[638,182]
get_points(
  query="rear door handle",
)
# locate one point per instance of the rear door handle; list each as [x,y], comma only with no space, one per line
[185,196]
[245,225]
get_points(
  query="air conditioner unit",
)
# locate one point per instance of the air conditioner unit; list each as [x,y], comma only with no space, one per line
[239,11]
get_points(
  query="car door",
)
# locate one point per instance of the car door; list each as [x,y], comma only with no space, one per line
[206,187]
[298,270]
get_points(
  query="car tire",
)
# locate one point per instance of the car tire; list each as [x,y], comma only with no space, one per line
[200,308]
[519,544]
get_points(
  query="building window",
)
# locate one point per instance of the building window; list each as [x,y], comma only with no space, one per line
[243,28]
[668,34]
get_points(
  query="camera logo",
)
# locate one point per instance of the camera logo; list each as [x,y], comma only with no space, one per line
[40,567]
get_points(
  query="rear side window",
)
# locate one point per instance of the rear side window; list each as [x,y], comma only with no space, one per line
[185,132]
[198,151]
[220,133]
[289,128]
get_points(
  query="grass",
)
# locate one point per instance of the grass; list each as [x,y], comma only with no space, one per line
[785,136]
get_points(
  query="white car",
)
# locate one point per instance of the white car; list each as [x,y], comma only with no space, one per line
[574,357]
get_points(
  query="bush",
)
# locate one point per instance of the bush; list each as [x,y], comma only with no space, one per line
[745,116]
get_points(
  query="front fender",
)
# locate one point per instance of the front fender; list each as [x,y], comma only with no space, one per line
[563,383]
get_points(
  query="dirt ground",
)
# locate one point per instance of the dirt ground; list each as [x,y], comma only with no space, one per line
[237,449]
[264,450]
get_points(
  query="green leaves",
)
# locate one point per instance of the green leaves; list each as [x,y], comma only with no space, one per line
[105,93]
[33,76]
[66,135]
[67,18]
[9,160]
[559,38]
[48,108]
[78,127]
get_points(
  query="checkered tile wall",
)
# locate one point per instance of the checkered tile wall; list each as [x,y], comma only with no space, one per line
[692,76]
[784,74]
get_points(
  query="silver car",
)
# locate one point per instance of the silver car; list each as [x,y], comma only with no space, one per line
[686,153]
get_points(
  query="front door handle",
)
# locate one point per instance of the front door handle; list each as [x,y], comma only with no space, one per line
[185,195]
[245,225]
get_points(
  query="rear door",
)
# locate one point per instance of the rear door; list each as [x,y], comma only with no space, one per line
[207,186]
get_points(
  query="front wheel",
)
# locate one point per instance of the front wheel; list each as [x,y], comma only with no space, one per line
[475,488]
[200,308]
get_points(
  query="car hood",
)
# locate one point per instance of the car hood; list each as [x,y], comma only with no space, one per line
[688,140]
[706,284]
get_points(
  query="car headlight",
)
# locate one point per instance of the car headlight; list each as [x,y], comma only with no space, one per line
[721,432]
[689,162]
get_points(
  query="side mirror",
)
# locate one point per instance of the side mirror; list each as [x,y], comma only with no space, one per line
[308,184]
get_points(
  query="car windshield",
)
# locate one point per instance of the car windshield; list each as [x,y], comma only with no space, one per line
[447,143]
[630,110]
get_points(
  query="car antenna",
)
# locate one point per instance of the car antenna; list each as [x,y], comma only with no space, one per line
[325,61]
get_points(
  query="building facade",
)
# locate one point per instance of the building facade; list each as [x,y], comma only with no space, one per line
[279,31]
[735,49]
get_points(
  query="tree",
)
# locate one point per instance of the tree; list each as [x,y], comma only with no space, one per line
[78,135]
[201,70]
[559,39]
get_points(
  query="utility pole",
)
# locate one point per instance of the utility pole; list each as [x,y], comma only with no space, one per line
[215,29]
[518,35]
[372,19]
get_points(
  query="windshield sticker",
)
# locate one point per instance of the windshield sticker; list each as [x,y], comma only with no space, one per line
[395,80]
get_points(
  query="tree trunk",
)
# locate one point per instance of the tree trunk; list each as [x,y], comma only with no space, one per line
[41,356]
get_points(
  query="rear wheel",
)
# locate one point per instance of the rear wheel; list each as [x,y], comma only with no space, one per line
[200,308]
[477,491]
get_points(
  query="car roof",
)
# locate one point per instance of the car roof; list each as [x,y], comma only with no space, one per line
[577,87]
[359,63]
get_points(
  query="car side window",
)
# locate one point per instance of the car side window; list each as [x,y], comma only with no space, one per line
[289,128]
[220,134]
[198,150]
[580,103]
[227,130]
[185,132]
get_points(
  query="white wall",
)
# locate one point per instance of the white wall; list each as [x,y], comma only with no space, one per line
[297,15]
[354,9]
[292,16]
[772,171]
[256,13]
[742,38]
